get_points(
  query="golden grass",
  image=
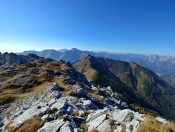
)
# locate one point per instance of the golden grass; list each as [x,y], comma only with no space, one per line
[8,128]
[51,111]
[65,89]
[91,74]
[30,125]
[5,99]
[150,124]
[94,130]
[16,96]
[123,129]
[97,97]
[84,127]
[75,113]
[113,126]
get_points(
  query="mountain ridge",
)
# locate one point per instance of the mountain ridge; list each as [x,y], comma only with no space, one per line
[41,94]
[162,65]
[131,80]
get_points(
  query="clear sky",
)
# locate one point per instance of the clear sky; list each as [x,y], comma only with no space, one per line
[134,26]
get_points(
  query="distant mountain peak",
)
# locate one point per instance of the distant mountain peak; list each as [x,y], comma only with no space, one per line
[75,49]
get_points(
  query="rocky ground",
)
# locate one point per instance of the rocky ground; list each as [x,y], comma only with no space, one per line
[82,109]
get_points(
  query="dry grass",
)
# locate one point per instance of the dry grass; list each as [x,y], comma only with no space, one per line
[131,128]
[94,130]
[51,111]
[16,96]
[75,113]
[123,129]
[84,127]
[91,74]
[5,99]
[30,125]
[152,125]
[113,126]
[8,128]
[97,97]
[65,89]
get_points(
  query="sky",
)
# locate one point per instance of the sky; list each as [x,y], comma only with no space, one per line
[122,26]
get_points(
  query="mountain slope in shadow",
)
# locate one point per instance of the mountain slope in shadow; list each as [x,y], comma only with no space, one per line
[137,84]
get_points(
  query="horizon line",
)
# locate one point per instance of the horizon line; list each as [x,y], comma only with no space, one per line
[110,52]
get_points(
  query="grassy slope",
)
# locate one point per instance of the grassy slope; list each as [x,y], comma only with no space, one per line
[138,84]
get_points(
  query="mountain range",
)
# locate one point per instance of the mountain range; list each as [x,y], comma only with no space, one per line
[140,87]
[90,94]
[161,65]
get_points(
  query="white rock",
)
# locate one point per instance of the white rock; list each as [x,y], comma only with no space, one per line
[105,127]
[66,128]
[52,126]
[162,120]
[119,129]
[122,116]
[96,122]
[44,117]
[61,103]
[77,130]
[87,103]
[51,102]
[28,114]
[135,125]
[94,115]
[81,113]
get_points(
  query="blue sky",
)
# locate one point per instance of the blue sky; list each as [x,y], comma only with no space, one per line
[134,26]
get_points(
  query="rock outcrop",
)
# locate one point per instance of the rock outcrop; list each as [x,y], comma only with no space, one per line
[58,112]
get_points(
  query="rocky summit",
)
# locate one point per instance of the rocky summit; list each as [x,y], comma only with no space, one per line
[50,96]
[83,109]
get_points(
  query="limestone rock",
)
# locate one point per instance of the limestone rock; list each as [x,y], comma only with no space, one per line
[52,126]
[105,127]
